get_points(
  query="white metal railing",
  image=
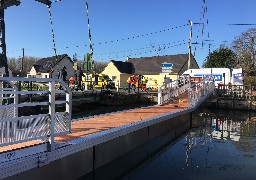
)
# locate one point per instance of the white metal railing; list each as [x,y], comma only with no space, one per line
[15,128]
[200,90]
[196,91]
[173,89]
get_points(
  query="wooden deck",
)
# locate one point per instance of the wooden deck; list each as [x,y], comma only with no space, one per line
[100,123]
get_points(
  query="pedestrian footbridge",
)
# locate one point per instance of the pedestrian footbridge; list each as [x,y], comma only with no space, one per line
[32,144]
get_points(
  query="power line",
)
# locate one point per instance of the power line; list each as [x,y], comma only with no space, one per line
[145,52]
[143,48]
[132,37]
[241,24]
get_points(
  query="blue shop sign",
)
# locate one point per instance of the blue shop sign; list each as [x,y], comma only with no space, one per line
[217,77]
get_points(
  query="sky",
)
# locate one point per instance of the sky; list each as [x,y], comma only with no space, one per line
[121,28]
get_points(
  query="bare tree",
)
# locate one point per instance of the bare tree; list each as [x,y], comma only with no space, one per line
[15,65]
[100,66]
[244,46]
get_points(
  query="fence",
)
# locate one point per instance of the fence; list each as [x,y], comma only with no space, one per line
[200,90]
[239,92]
[173,89]
[17,128]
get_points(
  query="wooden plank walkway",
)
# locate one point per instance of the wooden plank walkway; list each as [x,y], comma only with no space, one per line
[100,123]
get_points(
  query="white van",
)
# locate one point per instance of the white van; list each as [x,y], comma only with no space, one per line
[220,75]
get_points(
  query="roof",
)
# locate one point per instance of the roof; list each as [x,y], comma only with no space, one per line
[124,67]
[153,65]
[44,65]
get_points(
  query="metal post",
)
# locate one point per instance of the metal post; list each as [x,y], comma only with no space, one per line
[224,84]
[3,59]
[69,107]
[52,113]
[159,97]
[117,86]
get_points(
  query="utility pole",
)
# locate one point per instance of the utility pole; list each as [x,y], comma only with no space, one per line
[209,56]
[190,42]
[22,61]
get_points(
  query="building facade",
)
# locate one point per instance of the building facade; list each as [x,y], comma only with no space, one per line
[150,67]
[48,67]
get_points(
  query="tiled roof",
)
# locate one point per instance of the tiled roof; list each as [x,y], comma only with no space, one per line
[44,65]
[124,67]
[153,65]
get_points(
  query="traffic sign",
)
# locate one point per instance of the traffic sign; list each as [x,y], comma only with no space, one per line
[167,67]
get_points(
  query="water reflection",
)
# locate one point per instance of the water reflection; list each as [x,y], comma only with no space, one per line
[221,145]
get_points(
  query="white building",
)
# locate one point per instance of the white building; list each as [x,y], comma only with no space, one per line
[43,67]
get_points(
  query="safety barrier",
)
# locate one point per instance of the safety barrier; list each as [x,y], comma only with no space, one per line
[200,90]
[15,128]
[241,92]
[173,89]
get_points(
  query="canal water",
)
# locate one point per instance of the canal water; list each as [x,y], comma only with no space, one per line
[86,110]
[221,145]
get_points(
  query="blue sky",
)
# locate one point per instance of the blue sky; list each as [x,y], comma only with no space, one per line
[112,22]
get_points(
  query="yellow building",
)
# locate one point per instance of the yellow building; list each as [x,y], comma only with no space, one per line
[119,72]
[150,67]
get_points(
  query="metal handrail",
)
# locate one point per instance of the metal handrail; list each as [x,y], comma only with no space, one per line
[172,89]
[200,90]
[15,128]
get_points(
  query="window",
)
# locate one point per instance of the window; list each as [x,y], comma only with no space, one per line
[114,78]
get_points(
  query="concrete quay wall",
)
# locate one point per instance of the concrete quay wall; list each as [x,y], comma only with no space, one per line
[112,159]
